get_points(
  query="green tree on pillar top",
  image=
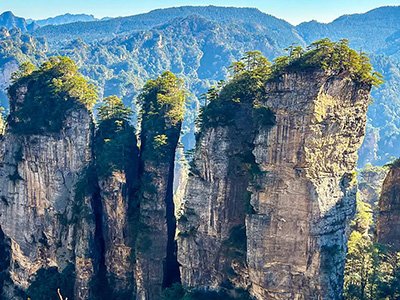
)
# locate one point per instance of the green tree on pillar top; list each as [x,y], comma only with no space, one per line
[116,144]
[163,105]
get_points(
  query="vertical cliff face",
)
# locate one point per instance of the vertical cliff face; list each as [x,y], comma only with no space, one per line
[297,202]
[306,196]
[155,246]
[117,240]
[156,264]
[81,209]
[43,223]
[117,170]
[388,230]
[212,241]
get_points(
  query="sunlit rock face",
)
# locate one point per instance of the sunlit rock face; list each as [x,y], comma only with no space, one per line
[282,232]
[46,225]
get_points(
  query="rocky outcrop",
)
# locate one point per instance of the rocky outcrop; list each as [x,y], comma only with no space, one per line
[282,232]
[155,245]
[156,264]
[45,223]
[388,223]
[211,237]
[115,197]
[117,170]
[82,211]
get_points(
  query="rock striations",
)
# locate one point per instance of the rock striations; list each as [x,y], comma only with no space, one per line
[88,211]
[39,212]
[282,232]
[82,209]
[388,230]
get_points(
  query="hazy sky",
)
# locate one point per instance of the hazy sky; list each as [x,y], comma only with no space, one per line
[294,11]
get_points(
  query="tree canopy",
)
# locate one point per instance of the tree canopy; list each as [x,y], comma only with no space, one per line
[162,101]
[245,87]
[333,57]
[49,92]
[165,97]
[116,144]
[250,74]
[112,107]
[372,271]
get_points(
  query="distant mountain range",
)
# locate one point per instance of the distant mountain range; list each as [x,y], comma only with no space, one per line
[199,43]
[9,21]
[63,19]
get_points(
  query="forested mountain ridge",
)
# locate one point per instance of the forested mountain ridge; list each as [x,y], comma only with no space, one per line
[9,21]
[199,43]
[369,32]
[125,25]
[63,19]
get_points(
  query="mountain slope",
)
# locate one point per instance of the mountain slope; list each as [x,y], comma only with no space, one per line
[367,31]
[197,49]
[64,19]
[90,31]
[9,21]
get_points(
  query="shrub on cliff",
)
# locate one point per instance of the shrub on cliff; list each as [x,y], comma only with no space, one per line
[40,98]
[244,89]
[162,109]
[334,57]
[372,271]
[116,144]
[253,70]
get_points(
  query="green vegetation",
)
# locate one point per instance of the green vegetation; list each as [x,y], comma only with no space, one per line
[177,292]
[244,88]
[51,90]
[115,144]
[253,70]
[372,271]
[25,69]
[332,57]
[236,244]
[120,57]
[163,97]
[48,281]
[113,108]
[85,186]
[162,101]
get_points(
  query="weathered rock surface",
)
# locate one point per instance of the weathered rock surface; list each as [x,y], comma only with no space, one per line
[215,204]
[388,223]
[119,264]
[38,207]
[301,200]
[156,232]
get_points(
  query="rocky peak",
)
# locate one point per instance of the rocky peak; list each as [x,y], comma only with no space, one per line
[38,211]
[9,21]
[282,232]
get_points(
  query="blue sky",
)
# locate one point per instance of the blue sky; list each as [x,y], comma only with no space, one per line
[294,11]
